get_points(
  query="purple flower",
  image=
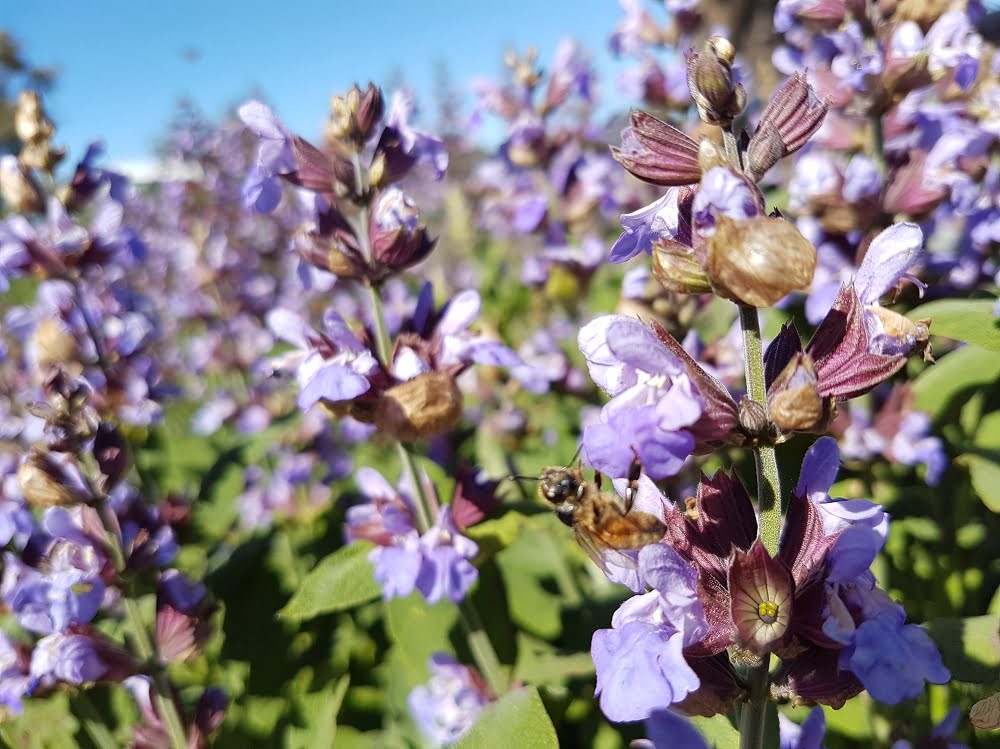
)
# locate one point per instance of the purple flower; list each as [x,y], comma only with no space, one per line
[890,255]
[953,44]
[451,342]
[418,146]
[14,678]
[331,365]
[52,601]
[666,729]
[911,445]
[639,661]
[893,659]
[275,156]
[653,399]
[941,735]
[73,659]
[862,179]
[658,220]
[436,563]
[445,708]
[809,735]
[722,193]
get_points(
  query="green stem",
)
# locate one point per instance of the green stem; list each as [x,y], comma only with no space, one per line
[768,487]
[878,143]
[383,346]
[143,646]
[93,723]
[423,504]
[482,650]
[753,716]
[477,638]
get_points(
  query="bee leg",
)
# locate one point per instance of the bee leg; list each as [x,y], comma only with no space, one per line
[632,488]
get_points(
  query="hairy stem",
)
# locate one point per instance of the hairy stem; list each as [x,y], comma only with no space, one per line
[753,716]
[768,489]
[383,346]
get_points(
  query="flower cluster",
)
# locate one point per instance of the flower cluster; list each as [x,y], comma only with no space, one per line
[814,604]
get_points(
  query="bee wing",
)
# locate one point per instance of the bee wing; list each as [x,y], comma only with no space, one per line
[605,557]
[631,531]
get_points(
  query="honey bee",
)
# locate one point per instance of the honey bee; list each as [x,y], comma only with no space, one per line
[604,525]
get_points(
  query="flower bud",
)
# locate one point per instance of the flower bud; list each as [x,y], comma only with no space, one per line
[419,408]
[45,482]
[34,129]
[40,154]
[31,124]
[909,190]
[111,452]
[370,109]
[822,14]
[398,240]
[677,268]
[658,153]
[753,416]
[710,80]
[354,116]
[17,188]
[342,122]
[759,260]
[791,117]
[794,399]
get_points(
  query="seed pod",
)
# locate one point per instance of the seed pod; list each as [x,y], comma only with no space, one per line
[419,408]
[759,260]
[753,416]
[53,343]
[44,482]
[17,187]
[794,399]
[676,267]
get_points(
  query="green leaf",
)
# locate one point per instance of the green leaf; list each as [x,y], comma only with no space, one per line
[320,713]
[45,724]
[988,432]
[540,667]
[718,731]
[985,475]
[968,320]
[970,647]
[340,581]
[960,370]
[517,719]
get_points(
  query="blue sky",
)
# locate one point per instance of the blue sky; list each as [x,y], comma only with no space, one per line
[122,68]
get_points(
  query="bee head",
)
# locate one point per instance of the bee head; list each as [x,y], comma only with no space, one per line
[558,485]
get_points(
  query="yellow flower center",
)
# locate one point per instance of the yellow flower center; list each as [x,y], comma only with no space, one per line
[767,611]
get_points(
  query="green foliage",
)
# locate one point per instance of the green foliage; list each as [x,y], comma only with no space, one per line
[520,714]
[969,321]
[341,581]
[970,647]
